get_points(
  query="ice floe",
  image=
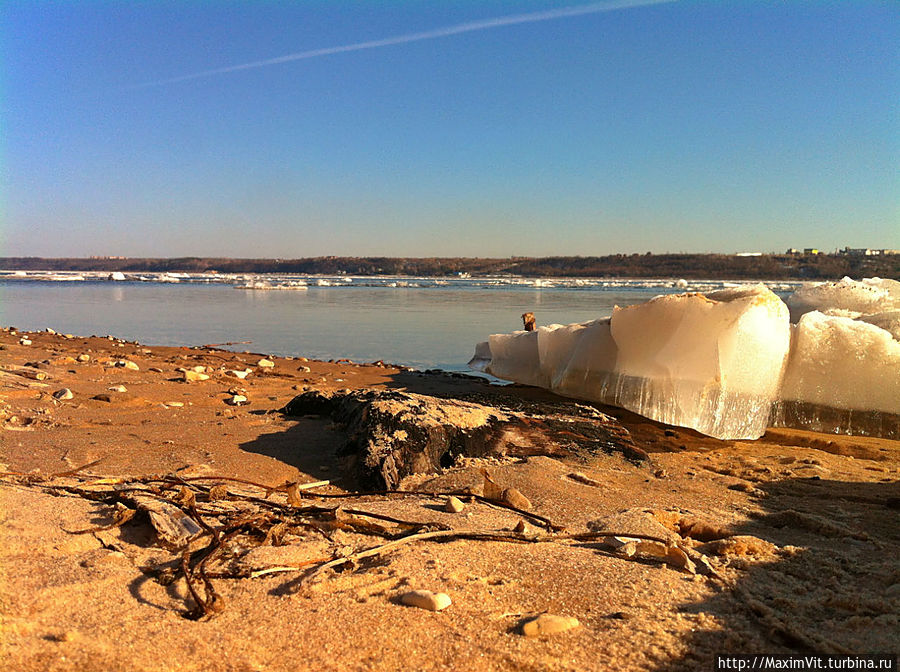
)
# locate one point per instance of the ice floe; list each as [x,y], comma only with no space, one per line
[723,361]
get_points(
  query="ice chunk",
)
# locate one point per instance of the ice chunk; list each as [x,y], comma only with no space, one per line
[843,376]
[713,363]
[846,297]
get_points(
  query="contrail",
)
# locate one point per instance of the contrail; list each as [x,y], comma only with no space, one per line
[446,31]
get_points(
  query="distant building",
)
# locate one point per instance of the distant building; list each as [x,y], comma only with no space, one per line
[867,252]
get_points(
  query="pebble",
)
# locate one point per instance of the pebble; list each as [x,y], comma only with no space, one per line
[63,394]
[548,624]
[236,400]
[174,404]
[265,363]
[127,364]
[425,599]
[117,388]
[583,478]
[193,376]
[515,498]
[155,369]
[83,358]
[304,369]
[24,341]
[198,369]
[453,505]
[238,374]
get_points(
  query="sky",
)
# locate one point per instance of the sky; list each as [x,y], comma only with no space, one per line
[447,128]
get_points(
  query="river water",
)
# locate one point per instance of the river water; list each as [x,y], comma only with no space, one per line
[425,324]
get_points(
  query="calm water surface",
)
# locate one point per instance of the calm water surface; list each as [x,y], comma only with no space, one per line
[419,326]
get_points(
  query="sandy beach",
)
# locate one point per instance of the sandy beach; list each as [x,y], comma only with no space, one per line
[787,544]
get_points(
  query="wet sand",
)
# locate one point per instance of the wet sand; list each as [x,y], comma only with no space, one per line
[799,532]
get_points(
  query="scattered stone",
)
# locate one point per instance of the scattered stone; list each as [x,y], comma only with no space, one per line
[304,369]
[83,358]
[117,388]
[193,376]
[24,341]
[127,364]
[198,369]
[549,624]
[63,394]
[174,404]
[237,400]
[239,374]
[425,599]
[265,363]
[453,505]
[49,330]
[155,369]
[623,545]
[582,478]
[515,498]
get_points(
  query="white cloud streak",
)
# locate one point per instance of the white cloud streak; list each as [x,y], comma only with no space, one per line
[446,31]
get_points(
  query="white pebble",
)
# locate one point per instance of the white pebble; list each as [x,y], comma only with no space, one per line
[425,599]
[548,624]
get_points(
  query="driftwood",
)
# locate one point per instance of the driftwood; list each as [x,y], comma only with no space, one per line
[201,525]
[391,435]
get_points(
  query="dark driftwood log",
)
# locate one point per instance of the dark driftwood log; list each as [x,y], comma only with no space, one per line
[391,434]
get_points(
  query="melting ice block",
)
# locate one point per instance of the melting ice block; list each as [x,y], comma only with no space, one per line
[843,376]
[847,297]
[713,363]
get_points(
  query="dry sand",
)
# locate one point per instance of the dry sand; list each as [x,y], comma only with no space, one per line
[805,557]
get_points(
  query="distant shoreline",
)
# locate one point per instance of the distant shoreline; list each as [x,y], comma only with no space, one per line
[688,266]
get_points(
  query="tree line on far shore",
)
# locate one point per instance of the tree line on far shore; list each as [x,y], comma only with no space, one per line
[688,266]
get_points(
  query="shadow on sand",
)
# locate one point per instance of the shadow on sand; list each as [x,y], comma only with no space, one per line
[832,587]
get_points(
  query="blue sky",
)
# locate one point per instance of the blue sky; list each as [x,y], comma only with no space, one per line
[632,127]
